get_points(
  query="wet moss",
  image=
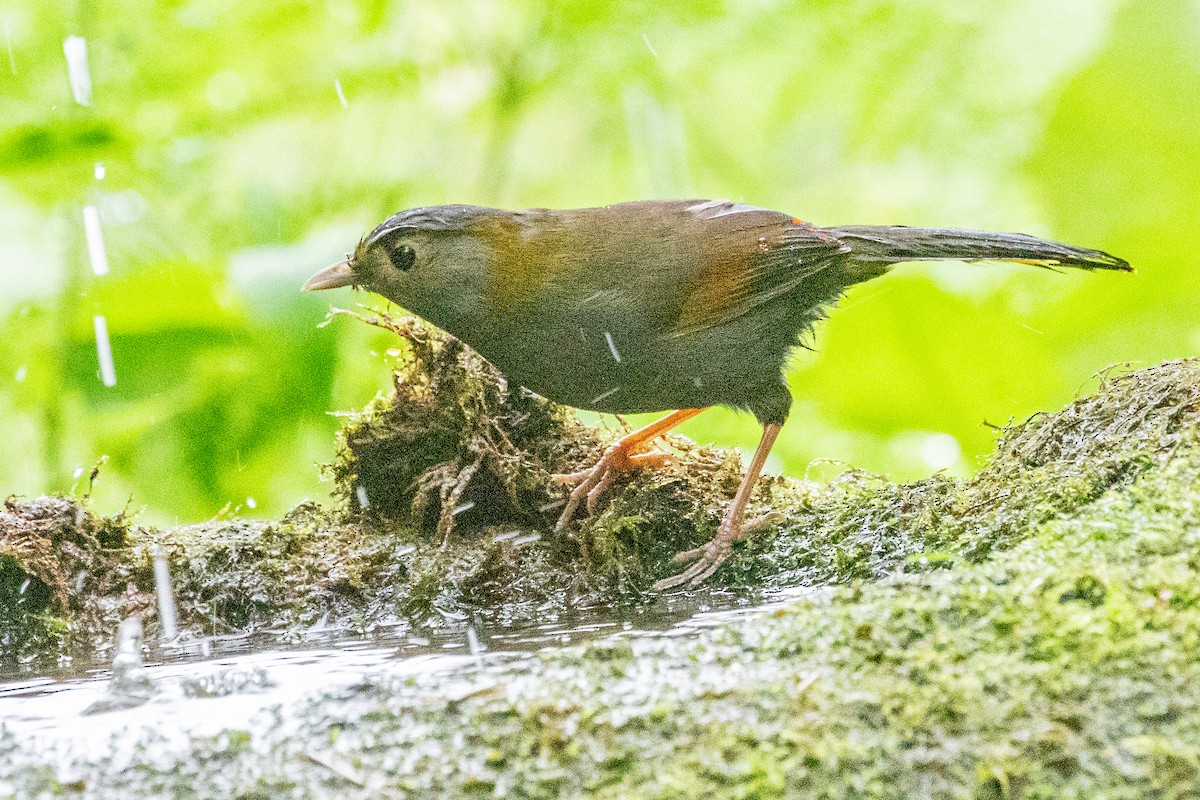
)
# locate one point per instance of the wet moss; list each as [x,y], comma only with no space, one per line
[860,526]
[1062,666]
[455,468]
[1030,633]
[453,444]
[54,556]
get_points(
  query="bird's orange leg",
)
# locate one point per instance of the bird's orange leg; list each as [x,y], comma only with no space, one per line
[710,556]
[622,456]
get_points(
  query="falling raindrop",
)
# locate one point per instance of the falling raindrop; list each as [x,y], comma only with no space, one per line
[337,85]
[108,373]
[77,473]
[459,509]
[604,396]
[251,502]
[167,614]
[99,171]
[75,49]
[612,347]
[360,492]
[475,646]
[504,537]
[95,241]
[12,62]
[526,539]
[22,371]
[649,46]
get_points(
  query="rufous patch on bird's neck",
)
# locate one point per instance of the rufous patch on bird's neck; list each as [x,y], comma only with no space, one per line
[528,253]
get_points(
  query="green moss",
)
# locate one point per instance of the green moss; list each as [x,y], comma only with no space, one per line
[456,467]
[53,556]
[1064,665]
[452,434]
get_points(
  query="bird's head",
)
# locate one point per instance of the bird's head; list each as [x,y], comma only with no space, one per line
[433,261]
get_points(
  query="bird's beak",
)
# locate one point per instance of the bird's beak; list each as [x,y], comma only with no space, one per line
[332,277]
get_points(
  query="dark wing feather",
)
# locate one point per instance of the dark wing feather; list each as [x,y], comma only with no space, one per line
[749,256]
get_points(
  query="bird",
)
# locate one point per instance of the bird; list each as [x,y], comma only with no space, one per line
[651,306]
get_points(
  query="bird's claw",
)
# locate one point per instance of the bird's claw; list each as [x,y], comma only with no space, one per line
[709,557]
[591,484]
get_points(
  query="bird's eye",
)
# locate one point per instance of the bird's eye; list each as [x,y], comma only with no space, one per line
[403,257]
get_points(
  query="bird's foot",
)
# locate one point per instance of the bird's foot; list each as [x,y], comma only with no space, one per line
[709,557]
[591,484]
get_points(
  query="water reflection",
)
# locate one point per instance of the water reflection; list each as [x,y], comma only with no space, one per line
[239,675]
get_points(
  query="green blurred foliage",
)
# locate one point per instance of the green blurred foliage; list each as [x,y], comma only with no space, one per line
[232,169]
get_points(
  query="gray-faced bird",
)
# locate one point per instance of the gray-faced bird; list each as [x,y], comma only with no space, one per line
[675,305]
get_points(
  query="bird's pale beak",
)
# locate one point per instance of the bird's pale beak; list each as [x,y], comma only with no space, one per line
[332,277]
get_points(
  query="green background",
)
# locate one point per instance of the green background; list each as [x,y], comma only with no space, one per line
[232,170]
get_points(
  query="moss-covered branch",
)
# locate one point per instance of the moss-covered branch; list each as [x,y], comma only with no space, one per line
[1065,663]
[443,503]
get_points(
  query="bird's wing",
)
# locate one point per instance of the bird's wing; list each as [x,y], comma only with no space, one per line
[747,257]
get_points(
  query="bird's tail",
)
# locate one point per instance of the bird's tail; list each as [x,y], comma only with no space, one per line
[875,248]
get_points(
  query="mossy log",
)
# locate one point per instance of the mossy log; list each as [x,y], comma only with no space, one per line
[443,503]
[1033,631]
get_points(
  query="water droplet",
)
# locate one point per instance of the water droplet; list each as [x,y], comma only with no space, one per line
[108,373]
[251,502]
[75,49]
[604,396]
[100,171]
[12,62]
[95,240]
[167,614]
[360,492]
[473,644]
[649,46]
[467,506]
[612,347]
[337,86]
